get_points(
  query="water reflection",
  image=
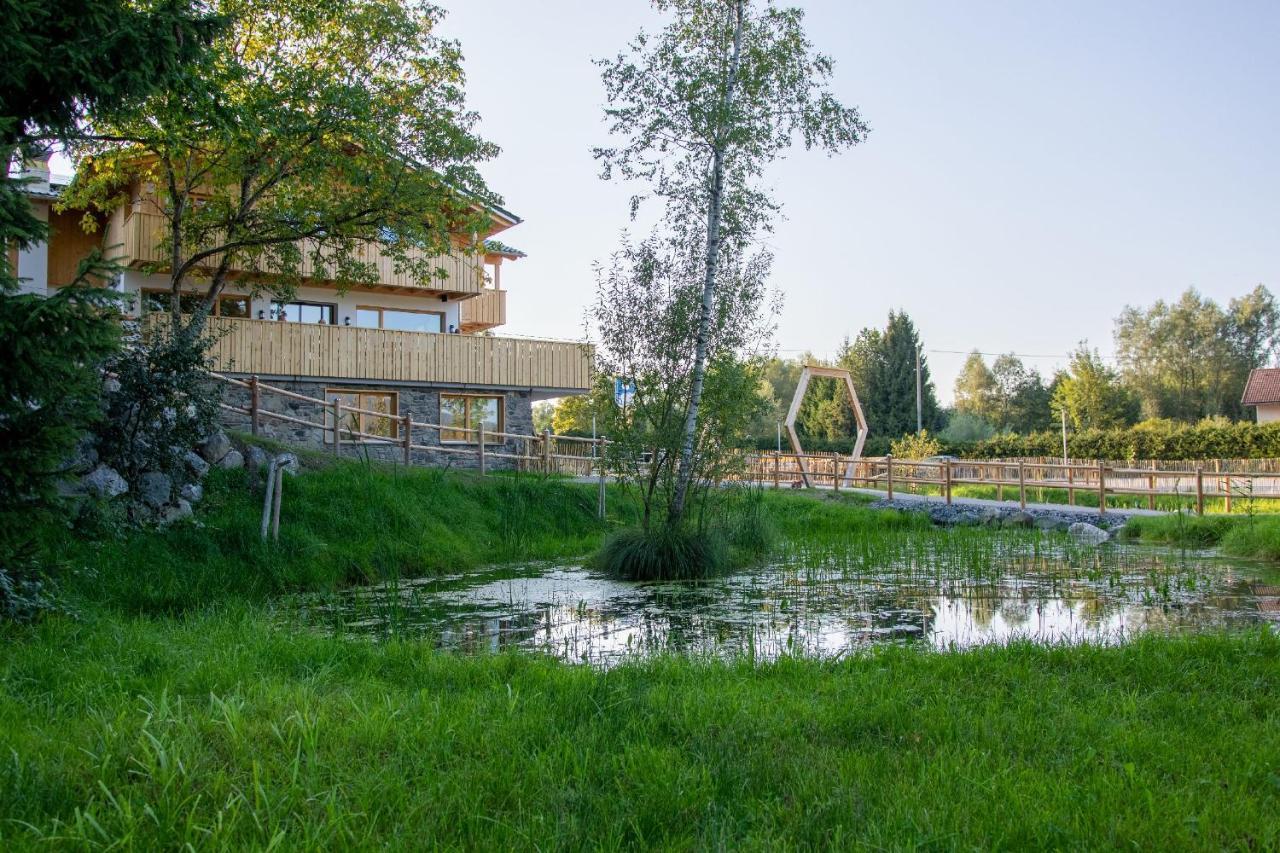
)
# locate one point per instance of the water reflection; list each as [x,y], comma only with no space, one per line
[817,605]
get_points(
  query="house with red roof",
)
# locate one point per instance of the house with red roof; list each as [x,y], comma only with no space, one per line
[1263,392]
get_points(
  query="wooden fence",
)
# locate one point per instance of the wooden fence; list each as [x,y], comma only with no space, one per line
[1227,480]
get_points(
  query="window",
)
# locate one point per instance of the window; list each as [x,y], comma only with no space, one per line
[400,320]
[304,312]
[467,412]
[384,402]
[228,305]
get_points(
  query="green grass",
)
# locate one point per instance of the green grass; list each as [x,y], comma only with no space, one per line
[221,731]
[1238,536]
[180,708]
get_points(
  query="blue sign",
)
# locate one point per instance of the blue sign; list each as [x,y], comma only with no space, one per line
[623,392]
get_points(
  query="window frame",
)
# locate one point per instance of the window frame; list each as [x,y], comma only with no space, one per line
[364,420]
[276,305]
[381,309]
[471,438]
[217,303]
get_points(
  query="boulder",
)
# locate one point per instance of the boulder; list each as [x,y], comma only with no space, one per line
[155,489]
[289,462]
[968,519]
[1050,522]
[1090,534]
[192,493]
[255,457]
[216,447]
[102,482]
[1018,519]
[85,457]
[196,463]
[176,512]
[232,460]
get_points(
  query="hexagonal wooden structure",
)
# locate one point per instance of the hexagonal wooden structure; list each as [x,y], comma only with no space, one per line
[810,371]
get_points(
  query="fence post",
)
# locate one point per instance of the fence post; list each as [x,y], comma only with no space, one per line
[1228,495]
[1001,476]
[600,465]
[254,402]
[546,451]
[777,469]
[267,498]
[835,471]
[1022,484]
[275,504]
[1102,488]
[337,427]
[946,478]
[1151,488]
[888,469]
[1071,485]
[480,450]
[1199,491]
[406,424]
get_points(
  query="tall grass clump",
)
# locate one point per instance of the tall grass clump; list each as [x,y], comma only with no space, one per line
[663,553]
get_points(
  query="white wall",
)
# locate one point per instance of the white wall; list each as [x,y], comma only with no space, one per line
[134,282]
[33,262]
[1268,413]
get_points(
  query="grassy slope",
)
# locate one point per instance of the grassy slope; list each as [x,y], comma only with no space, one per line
[1239,536]
[218,730]
[202,721]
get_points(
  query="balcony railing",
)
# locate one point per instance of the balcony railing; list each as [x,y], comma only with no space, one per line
[272,348]
[485,311]
[141,237]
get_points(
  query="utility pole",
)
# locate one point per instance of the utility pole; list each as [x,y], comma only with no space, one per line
[919,398]
[1064,435]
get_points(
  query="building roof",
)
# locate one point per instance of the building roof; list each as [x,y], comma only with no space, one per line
[497,247]
[1263,386]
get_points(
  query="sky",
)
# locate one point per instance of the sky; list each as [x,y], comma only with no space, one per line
[1033,167]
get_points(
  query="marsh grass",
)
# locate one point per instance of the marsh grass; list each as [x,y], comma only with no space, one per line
[1248,536]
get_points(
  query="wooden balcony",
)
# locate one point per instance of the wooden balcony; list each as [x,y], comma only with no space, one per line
[140,238]
[272,348]
[485,311]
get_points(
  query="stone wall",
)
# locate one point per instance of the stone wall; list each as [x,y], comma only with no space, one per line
[420,402]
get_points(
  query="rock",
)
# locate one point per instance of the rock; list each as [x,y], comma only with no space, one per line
[1018,519]
[990,516]
[103,482]
[289,462]
[110,385]
[232,460]
[1051,522]
[197,464]
[192,493]
[155,489]
[176,512]
[85,457]
[255,457]
[968,519]
[1090,534]
[216,447]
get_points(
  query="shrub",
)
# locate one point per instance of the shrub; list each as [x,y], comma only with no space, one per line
[919,445]
[1153,439]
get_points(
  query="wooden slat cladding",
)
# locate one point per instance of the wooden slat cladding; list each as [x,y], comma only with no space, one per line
[347,352]
[485,311]
[142,235]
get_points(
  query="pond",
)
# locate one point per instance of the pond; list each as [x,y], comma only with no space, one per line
[943,590]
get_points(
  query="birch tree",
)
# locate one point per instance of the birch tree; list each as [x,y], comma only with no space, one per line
[701,108]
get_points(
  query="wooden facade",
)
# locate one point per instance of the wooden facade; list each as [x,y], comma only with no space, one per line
[485,311]
[139,237]
[347,352]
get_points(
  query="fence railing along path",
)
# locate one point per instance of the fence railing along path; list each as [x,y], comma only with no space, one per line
[1227,480]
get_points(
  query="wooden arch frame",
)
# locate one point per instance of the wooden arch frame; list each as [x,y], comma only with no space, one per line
[806,374]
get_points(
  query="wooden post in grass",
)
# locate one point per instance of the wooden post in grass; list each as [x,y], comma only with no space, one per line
[1228,494]
[480,450]
[546,451]
[1151,488]
[1102,488]
[1022,484]
[337,427]
[1000,478]
[254,401]
[888,472]
[946,478]
[275,504]
[600,508]
[1071,485]
[777,469]
[1199,491]
[406,425]
[835,471]
[267,500]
